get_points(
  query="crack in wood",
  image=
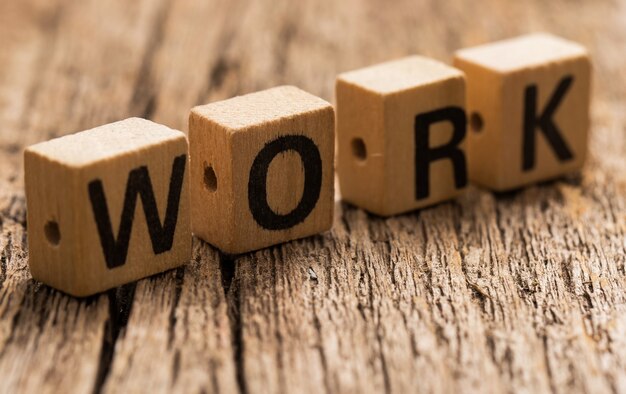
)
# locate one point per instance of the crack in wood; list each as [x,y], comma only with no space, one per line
[15,210]
[120,305]
[228,263]
[5,256]
[228,267]
[179,278]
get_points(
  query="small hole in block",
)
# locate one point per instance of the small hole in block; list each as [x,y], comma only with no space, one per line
[52,232]
[358,149]
[210,179]
[476,122]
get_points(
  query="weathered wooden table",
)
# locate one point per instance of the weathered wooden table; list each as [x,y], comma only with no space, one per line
[518,292]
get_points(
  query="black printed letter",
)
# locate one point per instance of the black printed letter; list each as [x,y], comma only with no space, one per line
[257,183]
[545,123]
[424,154]
[162,236]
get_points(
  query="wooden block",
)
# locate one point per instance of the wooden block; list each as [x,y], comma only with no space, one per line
[529,103]
[401,133]
[107,206]
[261,169]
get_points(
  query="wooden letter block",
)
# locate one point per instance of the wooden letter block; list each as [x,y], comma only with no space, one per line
[261,169]
[107,206]
[401,133]
[529,103]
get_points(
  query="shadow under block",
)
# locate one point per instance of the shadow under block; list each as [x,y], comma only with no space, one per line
[107,206]
[529,98]
[261,169]
[401,135]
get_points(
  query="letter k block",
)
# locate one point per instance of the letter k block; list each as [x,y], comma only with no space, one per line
[528,100]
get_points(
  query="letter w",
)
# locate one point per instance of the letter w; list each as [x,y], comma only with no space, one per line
[138,184]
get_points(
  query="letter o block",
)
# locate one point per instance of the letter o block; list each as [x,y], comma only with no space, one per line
[107,206]
[262,169]
[401,133]
[528,100]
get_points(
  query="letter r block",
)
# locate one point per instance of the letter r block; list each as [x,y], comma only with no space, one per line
[401,133]
[107,206]
[528,100]
[261,169]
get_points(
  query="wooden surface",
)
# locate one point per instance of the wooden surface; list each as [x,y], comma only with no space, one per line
[517,292]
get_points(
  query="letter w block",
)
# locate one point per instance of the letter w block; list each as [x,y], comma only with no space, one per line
[107,206]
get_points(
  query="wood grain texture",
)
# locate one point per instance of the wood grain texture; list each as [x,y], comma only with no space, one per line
[494,292]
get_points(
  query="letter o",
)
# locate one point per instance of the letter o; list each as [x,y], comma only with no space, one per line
[257,182]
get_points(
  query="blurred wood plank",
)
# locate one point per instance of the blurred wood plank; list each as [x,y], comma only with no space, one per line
[517,292]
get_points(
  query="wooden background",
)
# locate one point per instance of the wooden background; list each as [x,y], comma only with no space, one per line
[517,292]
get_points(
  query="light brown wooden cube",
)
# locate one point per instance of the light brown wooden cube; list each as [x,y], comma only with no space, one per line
[107,206]
[529,103]
[261,169]
[401,133]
